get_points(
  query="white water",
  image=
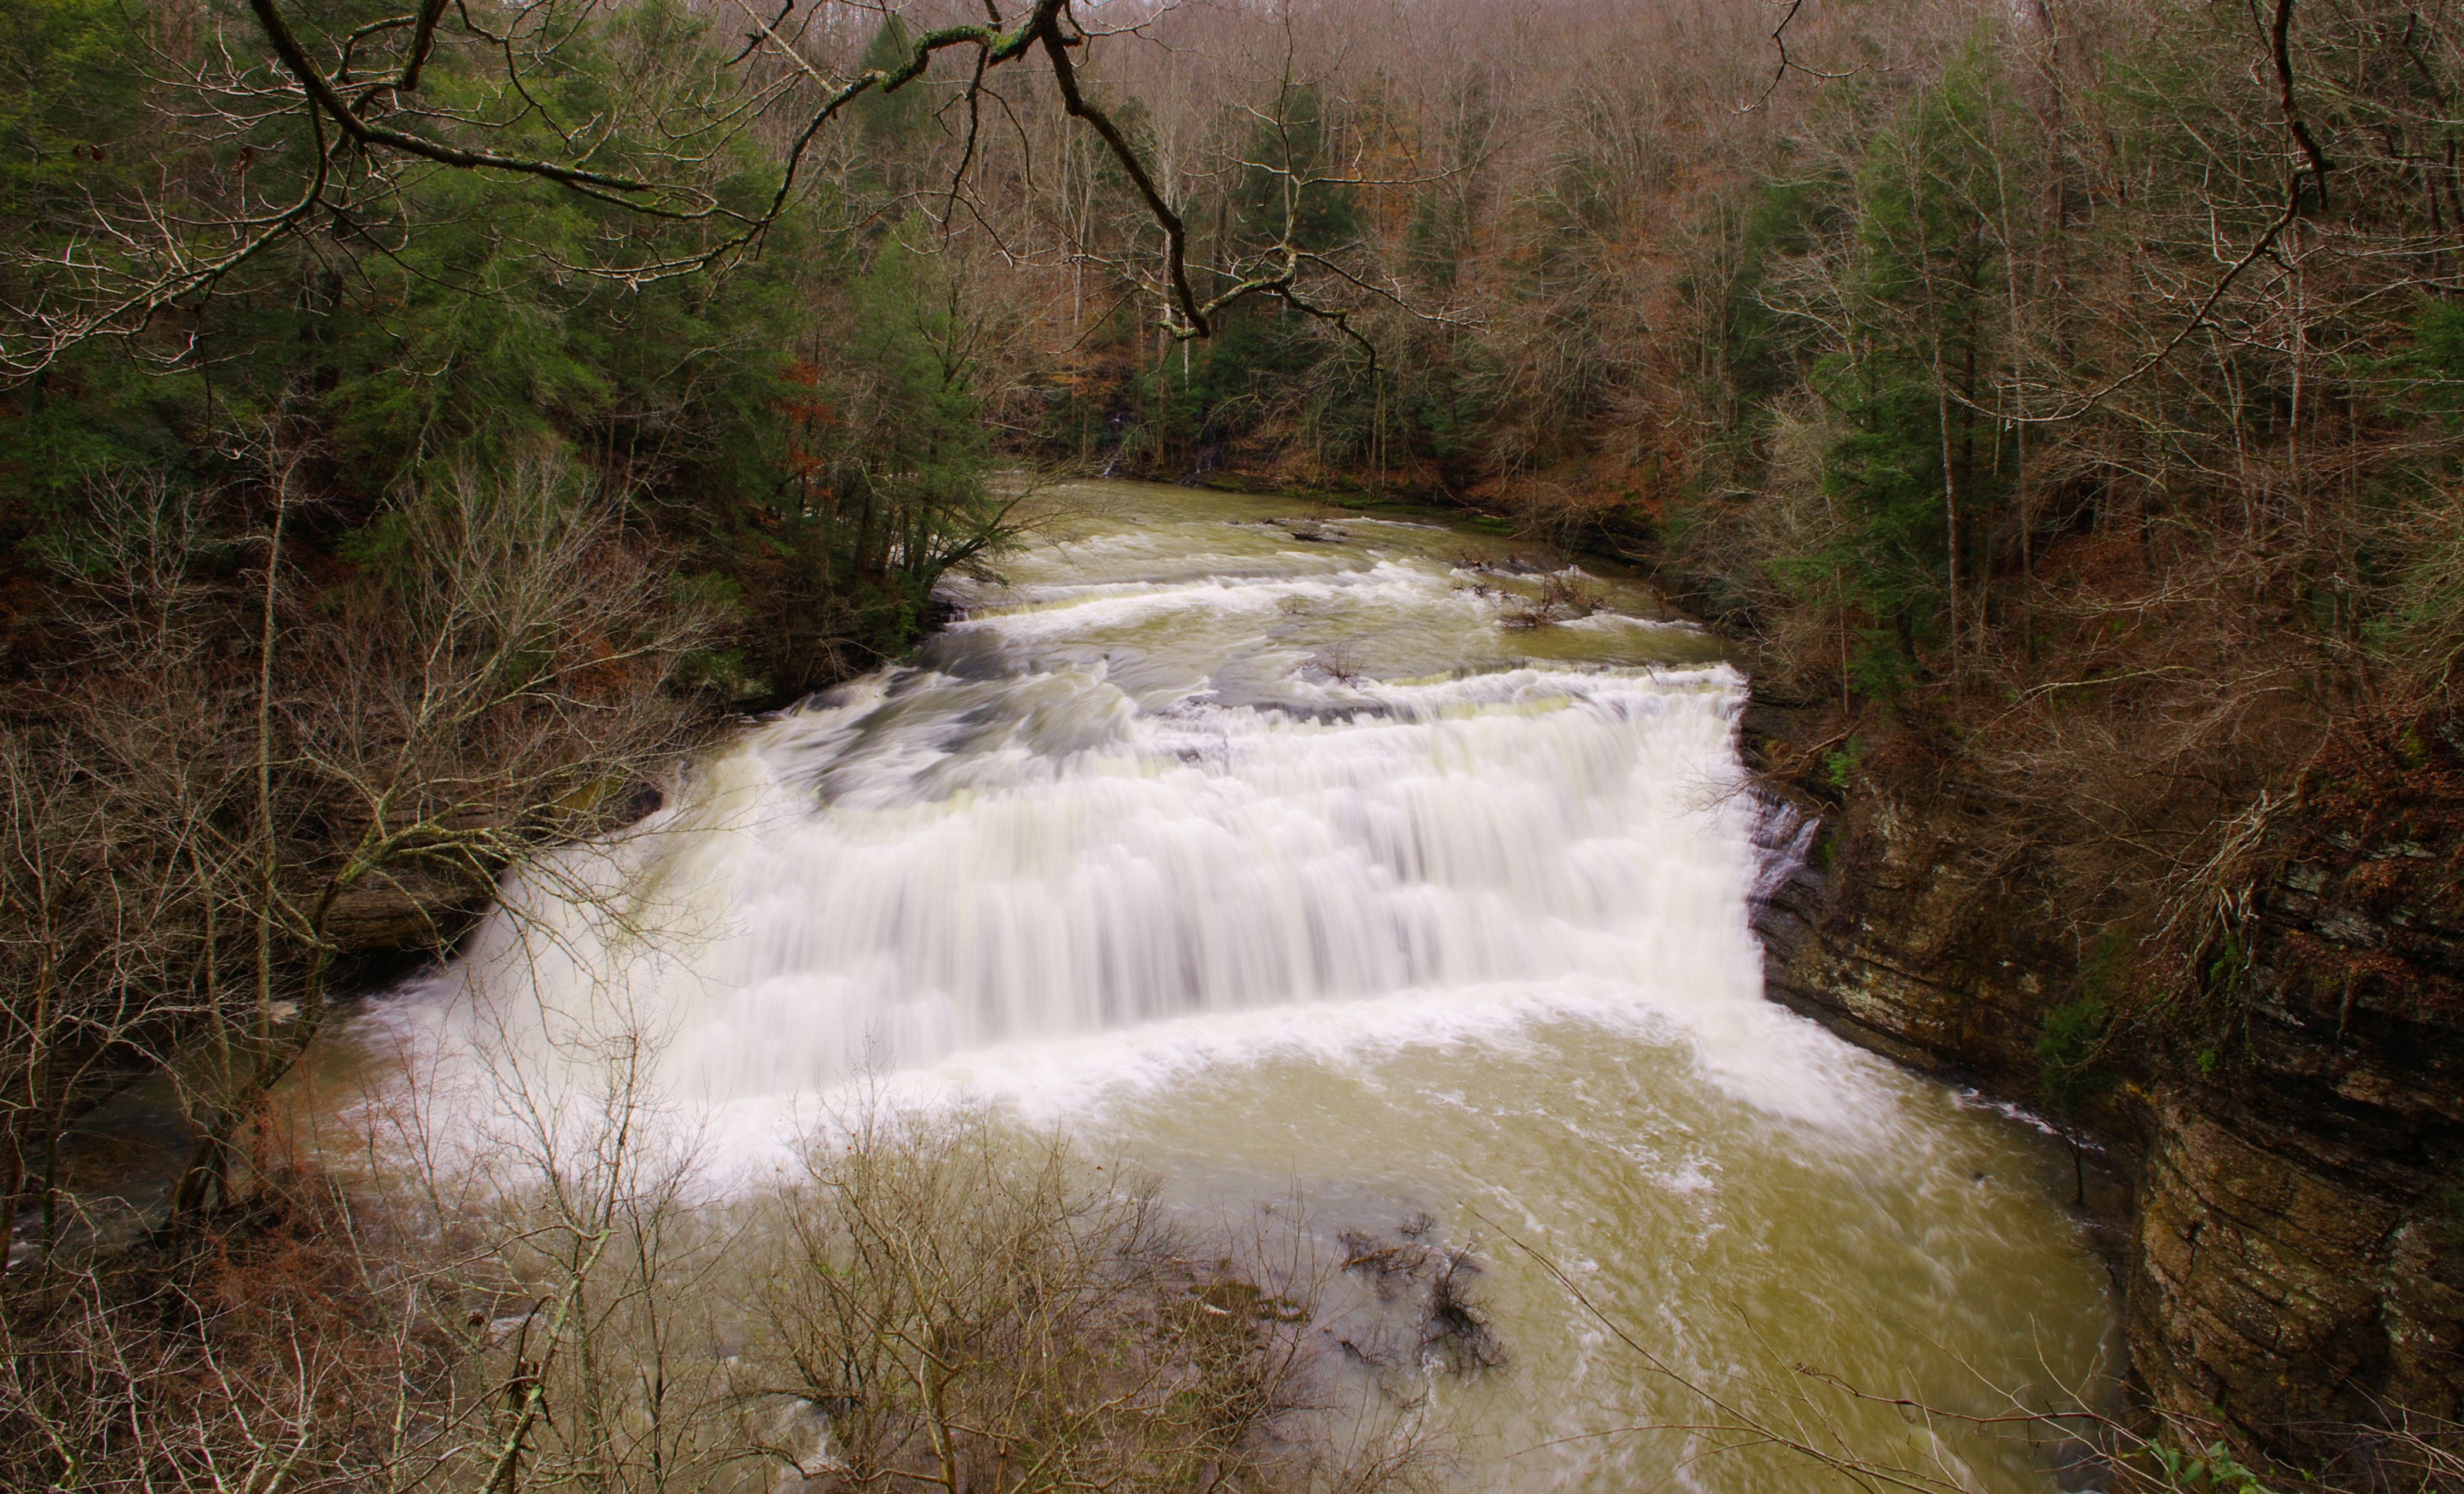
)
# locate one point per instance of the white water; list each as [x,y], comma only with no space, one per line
[1185,842]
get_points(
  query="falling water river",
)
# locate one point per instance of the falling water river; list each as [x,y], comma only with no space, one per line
[1287,858]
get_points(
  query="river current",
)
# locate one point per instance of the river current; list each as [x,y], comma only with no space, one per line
[1307,860]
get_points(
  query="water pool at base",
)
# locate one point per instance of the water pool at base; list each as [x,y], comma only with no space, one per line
[1354,868]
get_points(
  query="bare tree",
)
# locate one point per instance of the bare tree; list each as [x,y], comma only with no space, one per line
[195,837]
[353,116]
[964,1307]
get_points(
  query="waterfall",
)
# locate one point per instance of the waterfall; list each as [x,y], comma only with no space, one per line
[1279,854]
[1037,834]
[878,883]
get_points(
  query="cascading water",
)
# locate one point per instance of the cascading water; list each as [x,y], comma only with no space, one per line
[1270,853]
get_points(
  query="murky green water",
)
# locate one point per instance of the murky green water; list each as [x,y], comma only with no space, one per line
[1273,849]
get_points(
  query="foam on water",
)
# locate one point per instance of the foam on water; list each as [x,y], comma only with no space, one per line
[1444,927]
[903,876]
[1014,872]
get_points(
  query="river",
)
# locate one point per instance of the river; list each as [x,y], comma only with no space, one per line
[1308,862]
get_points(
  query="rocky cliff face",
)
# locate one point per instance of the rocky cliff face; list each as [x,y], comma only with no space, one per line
[2295,1260]
[1901,935]
[2300,1215]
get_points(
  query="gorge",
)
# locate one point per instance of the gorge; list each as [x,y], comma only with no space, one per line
[1265,745]
[1279,854]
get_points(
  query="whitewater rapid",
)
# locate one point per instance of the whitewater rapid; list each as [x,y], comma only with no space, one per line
[1294,855]
[1018,840]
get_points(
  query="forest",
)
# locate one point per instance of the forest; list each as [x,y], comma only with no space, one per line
[420,431]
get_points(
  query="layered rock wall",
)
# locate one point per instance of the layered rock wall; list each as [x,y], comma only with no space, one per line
[2294,1262]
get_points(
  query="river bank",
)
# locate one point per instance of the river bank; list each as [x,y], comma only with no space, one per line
[2271,1184]
[1369,865]
[1479,814]
[2277,1202]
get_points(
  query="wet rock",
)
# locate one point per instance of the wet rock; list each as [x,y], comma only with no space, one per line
[1903,941]
[2255,1293]
[2295,1260]
[407,915]
[2299,1238]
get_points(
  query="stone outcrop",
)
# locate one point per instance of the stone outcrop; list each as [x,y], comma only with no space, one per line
[2295,1259]
[2300,1215]
[400,914]
[1899,937]
[415,910]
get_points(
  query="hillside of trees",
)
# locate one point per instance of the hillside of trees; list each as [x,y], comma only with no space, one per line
[417,430]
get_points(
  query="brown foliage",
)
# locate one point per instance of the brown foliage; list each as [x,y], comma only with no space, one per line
[227,773]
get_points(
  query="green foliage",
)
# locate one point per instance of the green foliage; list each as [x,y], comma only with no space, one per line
[1440,233]
[69,98]
[724,672]
[2228,972]
[390,357]
[1262,364]
[1840,763]
[2211,1472]
[1924,298]
[1445,408]
[2104,970]
[2068,1073]
[915,460]
[1767,351]
[1291,152]
[888,120]
[2436,357]
[72,423]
